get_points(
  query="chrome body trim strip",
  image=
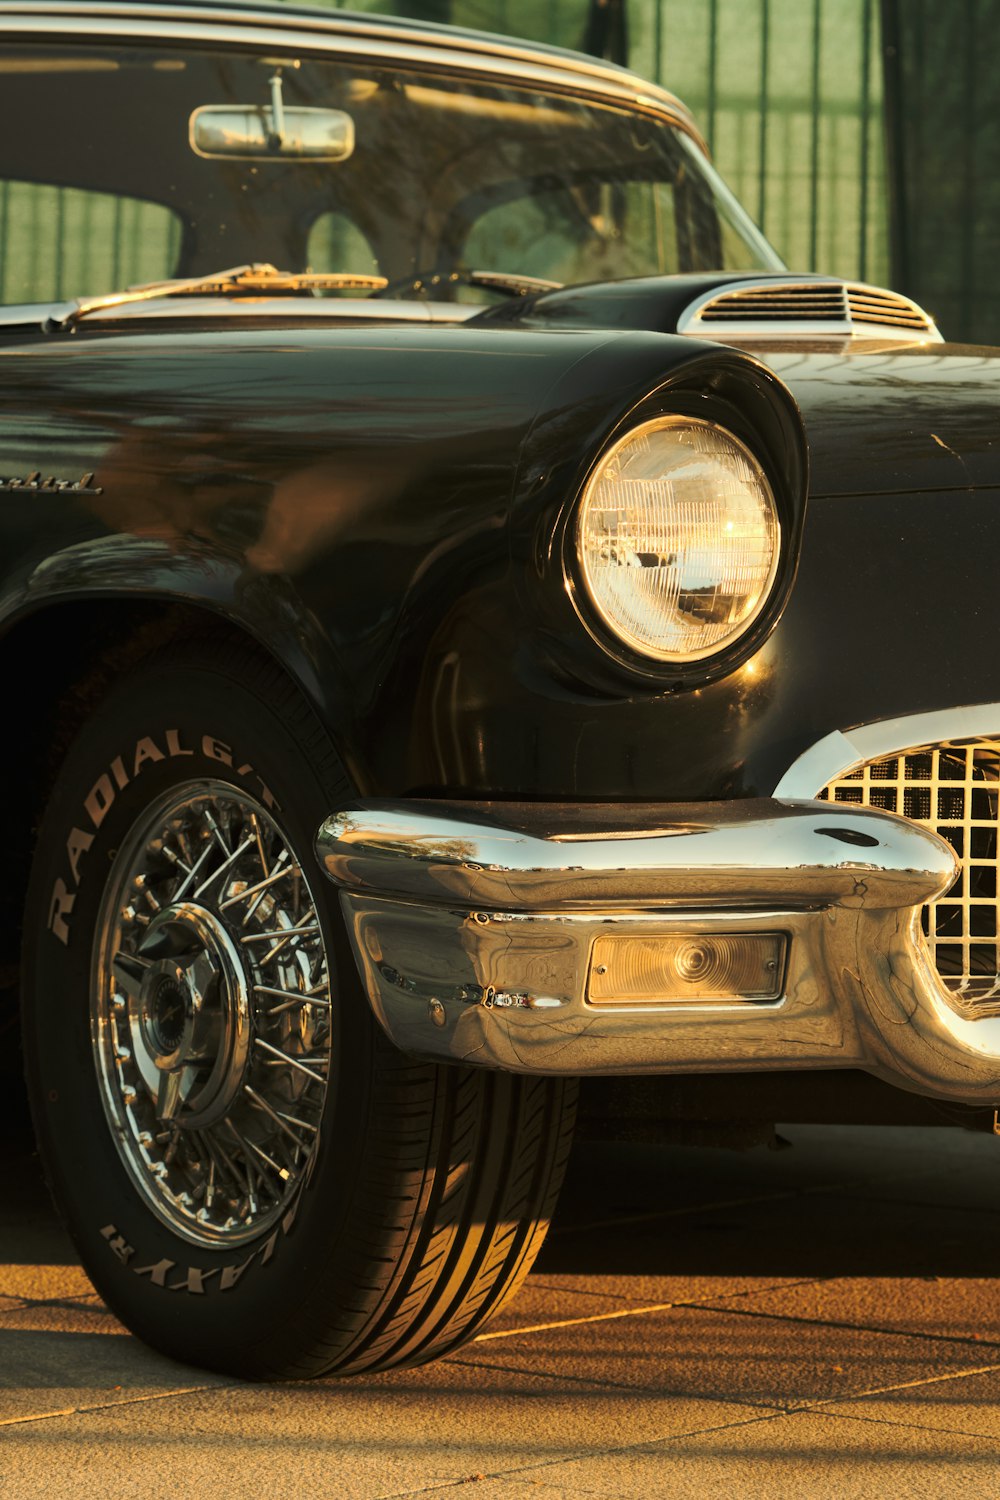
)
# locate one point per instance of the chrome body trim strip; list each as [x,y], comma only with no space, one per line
[357,37]
[473,928]
[845,750]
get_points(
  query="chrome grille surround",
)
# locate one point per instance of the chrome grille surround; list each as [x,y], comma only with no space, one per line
[953,789]
[774,307]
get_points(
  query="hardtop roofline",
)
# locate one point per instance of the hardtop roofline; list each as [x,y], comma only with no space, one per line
[416,42]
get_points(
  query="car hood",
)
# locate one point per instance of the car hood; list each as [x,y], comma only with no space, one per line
[896,420]
[888,407]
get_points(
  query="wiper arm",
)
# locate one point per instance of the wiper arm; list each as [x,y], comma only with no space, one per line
[512,281]
[259,277]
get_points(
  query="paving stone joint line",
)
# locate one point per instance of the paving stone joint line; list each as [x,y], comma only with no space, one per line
[770,1416]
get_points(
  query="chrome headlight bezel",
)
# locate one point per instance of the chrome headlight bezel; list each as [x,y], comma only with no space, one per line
[723,652]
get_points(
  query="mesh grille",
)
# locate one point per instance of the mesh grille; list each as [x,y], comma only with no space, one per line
[954,790]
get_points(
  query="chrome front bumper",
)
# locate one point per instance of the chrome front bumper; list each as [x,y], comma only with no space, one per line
[473,926]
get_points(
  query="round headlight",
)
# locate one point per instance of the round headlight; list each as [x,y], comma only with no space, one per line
[678,539]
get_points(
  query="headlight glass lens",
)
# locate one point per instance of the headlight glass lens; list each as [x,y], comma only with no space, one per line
[678,539]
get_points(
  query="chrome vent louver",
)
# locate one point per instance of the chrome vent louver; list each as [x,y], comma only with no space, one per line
[953,789]
[776,308]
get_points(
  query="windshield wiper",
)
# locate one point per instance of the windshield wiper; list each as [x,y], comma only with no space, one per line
[512,283]
[259,277]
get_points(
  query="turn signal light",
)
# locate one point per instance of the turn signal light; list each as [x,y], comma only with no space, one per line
[689,966]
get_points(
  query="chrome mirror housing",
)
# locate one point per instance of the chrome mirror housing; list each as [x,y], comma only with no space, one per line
[252,132]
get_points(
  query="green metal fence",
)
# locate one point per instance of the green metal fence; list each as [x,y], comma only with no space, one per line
[789,93]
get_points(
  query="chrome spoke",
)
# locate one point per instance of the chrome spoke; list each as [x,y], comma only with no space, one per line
[192,873]
[168,1098]
[298,1124]
[284,934]
[129,970]
[300,929]
[262,885]
[216,833]
[223,867]
[176,860]
[286,1060]
[280,1120]
[260,845]
[301,1002]
[291,999]
[253,1150]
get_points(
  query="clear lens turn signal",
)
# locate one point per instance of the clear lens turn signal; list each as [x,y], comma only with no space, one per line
[657,970]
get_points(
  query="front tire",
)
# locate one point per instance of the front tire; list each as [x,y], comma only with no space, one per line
[256,1181]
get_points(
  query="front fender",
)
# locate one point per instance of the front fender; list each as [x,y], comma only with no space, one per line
[266,608]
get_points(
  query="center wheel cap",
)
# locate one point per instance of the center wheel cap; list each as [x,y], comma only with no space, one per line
[190,1021]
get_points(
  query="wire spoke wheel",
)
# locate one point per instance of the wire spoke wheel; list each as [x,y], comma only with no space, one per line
[256,1180]
[211,1013]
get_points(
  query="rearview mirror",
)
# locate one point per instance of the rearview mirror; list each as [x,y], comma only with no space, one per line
[247,132]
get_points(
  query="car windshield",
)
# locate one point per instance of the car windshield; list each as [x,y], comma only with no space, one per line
[146,165]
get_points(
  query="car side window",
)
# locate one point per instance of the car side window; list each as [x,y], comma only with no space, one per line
[57,243]
[337,244]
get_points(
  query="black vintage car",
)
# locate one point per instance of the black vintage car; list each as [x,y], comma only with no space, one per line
[425,687]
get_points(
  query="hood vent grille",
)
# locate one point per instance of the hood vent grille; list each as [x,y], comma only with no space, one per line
[776,309]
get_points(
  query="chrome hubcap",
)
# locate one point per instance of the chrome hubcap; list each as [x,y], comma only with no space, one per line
[189,1014]
[211,1017]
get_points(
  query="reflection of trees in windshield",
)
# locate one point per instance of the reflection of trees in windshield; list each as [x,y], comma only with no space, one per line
[610,197]
[592,229]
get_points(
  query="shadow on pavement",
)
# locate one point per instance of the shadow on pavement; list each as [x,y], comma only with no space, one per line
[845,1201]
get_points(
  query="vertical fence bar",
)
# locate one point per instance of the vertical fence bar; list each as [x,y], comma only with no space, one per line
[814,150]
[116,245]
[60,240]
[967,278]
[659,19]
[765,28]
[33,273]
[866,67]
[895,139]
[4,238]
[786,180]
[713,69]
[911,123]
[86,243]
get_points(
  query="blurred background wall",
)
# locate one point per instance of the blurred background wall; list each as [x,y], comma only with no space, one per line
[942,110]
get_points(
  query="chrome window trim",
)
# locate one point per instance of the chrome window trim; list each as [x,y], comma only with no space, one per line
[843,751]
[453,52]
